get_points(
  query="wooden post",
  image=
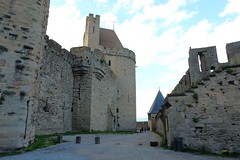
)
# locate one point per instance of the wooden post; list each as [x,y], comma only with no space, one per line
[59,139]
[97,140]
[78,139]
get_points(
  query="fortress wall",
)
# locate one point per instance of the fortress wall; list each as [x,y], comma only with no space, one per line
[206,115]
[22,32]
[103,95]
[211,121]
[55,92]
[123,65]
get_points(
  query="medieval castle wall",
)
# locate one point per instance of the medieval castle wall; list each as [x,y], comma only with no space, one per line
[206,114]
[21,48]
[45,89]
[122,63]
[94,91]
[54,114]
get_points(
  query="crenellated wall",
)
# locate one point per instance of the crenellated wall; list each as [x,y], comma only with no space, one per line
[206,113]
[21,51]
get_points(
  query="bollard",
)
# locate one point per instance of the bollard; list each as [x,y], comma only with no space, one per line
[153,144]
[97,140]
[59,139]
[78,139]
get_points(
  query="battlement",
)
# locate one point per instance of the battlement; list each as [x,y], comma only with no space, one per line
[233,52]
[54,47]
[203,62]
[124,52]
[91,16]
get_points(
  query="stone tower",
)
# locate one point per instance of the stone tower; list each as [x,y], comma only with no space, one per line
[122,62]
[22,40]
[91,35]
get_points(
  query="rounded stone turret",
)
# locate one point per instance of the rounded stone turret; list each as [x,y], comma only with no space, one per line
[122,62]
[22,39]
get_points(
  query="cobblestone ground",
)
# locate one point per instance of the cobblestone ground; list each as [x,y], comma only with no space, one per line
[111,147]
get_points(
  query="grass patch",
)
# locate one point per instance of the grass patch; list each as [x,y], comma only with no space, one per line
[39,142]
[42,142]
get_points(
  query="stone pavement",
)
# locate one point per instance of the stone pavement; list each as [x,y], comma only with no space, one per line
[111,147]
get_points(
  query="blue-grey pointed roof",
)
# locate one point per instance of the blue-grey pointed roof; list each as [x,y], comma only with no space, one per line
[157,103]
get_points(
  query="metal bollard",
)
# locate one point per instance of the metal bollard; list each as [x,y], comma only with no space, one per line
[59,139]
[97,140]
[78,139]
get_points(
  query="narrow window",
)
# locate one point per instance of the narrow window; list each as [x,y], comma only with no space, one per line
[199,61]
[167,125]
[117,110]
[109,63]
[93,29]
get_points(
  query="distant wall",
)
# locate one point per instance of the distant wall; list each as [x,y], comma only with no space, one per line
[122,63]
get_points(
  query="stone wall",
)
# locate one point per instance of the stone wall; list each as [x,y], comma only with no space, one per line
[122,63]
[103,95]
[206,115]
[22,31]
[54,112]
[94,91]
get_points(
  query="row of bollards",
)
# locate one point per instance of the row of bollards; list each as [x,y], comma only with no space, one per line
[78,139]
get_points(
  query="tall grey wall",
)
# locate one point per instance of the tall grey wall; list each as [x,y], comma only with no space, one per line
[54,112]
[206,113]
[22,31]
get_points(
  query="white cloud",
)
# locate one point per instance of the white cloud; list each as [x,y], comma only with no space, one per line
[102,1]
[65,23]
[232,7]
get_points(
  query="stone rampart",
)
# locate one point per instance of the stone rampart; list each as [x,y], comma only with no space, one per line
[54,112]
[205,114]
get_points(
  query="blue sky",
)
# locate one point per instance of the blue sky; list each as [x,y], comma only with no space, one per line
[160,33]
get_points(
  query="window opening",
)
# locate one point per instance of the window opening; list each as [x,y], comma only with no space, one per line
[199,61]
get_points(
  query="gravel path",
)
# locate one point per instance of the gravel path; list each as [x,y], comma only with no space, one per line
[111,147]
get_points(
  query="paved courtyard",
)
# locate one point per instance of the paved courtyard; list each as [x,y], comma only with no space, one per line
[111,147]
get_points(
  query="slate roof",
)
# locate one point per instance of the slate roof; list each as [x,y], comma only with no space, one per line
[157,103]
[109,38]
